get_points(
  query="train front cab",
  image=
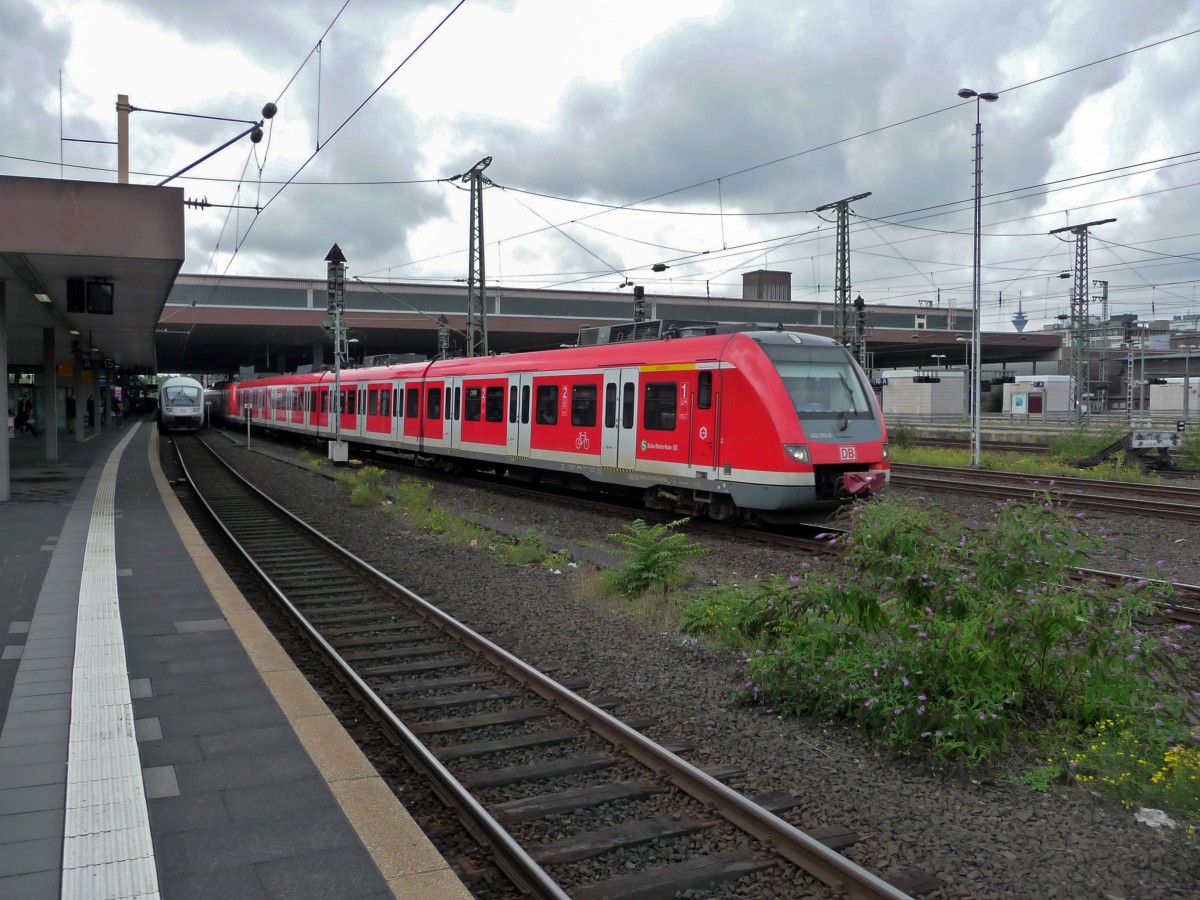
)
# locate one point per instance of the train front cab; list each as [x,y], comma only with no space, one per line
[828,427]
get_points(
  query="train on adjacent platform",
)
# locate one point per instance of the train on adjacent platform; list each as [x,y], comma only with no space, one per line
[724,424]
[180,404]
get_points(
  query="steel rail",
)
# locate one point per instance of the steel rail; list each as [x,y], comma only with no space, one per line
[806,852]
[1150,500]
[510,856]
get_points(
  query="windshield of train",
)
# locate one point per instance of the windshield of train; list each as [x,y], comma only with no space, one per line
[822,382]
[181,395]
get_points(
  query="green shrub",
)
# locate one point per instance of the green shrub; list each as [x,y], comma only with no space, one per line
[901,434]
[1073,446]
[1188,456]
[526,549]
[653,557]
[365,485]
[957,638]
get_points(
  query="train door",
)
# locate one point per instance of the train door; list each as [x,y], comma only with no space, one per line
[349,409]
[379,408]
[618,436]
[411,427]
[452,413]
[704,420]
[296,398]
[434,409]
[321,407]
[520,392]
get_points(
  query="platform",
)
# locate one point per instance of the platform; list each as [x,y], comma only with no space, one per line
[156,740]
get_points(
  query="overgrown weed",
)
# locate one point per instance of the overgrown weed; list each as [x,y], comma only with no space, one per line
[365,485]
[654,558]
[968,641]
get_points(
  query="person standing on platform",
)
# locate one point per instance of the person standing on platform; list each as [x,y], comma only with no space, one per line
[91,411]
[118,410]
[70,404]
[24,420]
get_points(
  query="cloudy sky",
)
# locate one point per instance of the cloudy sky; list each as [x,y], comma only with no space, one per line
[701,134]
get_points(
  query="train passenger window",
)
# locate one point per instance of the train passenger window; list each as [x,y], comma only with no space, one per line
[525,404]
[413,402]
[512,404]
[704,391]
[493,410]
[627,405]
[324,401]
[385,402]
[610,406]
[457,403]
[474,404]
[547,404]
[583,405]
[373,401]
[658,412]
[433,403]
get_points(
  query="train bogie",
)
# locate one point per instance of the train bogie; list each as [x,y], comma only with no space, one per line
[751,423]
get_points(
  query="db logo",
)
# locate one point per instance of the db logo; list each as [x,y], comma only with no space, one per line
[847,453]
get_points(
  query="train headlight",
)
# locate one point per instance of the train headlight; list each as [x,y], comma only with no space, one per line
[798,452]
[887,452]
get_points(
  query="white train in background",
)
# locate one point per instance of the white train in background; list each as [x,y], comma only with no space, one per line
[180,404]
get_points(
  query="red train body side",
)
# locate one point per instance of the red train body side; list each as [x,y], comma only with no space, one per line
[764,423]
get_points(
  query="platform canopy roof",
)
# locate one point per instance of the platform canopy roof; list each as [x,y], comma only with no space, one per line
[68,248]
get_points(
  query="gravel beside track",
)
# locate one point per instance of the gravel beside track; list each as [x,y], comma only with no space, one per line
[981,834]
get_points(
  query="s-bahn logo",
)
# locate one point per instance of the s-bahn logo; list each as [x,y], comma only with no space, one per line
[848,454]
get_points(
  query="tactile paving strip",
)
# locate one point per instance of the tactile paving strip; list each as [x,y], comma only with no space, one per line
[107,848]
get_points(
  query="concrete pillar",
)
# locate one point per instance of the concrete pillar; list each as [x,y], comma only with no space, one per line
[49,394]
[123,138]
[80,400]
[97,399]
[5,456]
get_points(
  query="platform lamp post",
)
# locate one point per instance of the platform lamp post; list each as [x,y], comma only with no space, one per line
[967,94]
[336,283]
[967,370]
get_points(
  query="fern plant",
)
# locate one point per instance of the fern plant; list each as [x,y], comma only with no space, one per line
[654,556]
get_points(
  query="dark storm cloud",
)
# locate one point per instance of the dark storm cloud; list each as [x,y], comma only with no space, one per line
[765,82]
[372,223]
[761,81]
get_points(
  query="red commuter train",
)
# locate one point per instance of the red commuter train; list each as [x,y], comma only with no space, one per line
[740,424]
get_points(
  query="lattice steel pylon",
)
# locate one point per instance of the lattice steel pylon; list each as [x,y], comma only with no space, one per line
[477,341]
[1079,311]
[843,319]
[1102,375]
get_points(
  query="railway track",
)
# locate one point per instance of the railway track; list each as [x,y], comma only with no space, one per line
[560,791]
[1180,503]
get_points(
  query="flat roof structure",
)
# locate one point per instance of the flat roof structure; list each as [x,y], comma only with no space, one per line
[123,236]
[85,269]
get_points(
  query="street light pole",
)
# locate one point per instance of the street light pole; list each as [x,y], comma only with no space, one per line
[1187,360]
[967,94]
[966,342]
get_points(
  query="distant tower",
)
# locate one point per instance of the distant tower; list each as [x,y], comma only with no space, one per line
[764,284]
[1020,320]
